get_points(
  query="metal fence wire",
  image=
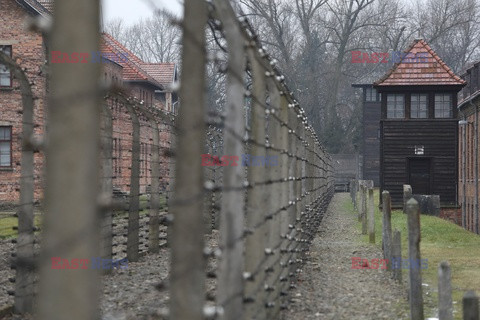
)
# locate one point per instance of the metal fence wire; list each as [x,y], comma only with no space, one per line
[235,186]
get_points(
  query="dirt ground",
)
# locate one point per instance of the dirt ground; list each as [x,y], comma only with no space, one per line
[328,287]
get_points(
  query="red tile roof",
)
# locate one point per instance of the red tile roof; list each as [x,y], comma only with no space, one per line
[427,70]
[132,68]
[162,72]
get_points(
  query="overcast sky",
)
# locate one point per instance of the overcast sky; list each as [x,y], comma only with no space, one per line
[132,11]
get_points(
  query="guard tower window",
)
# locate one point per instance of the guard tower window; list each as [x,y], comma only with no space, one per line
[395,106]
[443,106]
[419,106]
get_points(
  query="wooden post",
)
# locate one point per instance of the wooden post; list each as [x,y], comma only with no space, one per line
[397,255]
[187,237]
[154,219]
[134,201]
[230,279]
[445,306]
[256,198]
[71,220]
[416,298]
[470,306]
[371,216]
[387,227]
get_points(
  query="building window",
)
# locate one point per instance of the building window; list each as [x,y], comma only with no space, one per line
[395,106]
[419,106]
[371,94]
[443,106]
[117,157]
[5,146]
[5,73]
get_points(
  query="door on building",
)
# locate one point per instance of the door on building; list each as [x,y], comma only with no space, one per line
[419,175]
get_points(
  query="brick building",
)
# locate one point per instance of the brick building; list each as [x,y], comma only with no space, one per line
[147,85]
[28,48]
[468,162]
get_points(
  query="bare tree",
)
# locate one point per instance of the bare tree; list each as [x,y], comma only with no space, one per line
[116,29]
[451,27]
[276,24]
[156,39]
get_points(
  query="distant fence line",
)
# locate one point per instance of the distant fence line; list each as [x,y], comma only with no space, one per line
[267,216]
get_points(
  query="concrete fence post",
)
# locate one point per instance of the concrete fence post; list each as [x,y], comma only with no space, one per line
[407,194]
[294,188]
[230,278]
[256,198]
[107,182]
[387,227]
[154,219]
[285,214]
[364,208]
[445,306]
[134,199]
[470,306]
[274,205]
[187,232]
[353,193]
[360,201]
[71,221]
[371,216]
[416,298]
[397,256]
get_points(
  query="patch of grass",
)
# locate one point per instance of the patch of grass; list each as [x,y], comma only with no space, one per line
[145,202]
[8,223]
[440,241]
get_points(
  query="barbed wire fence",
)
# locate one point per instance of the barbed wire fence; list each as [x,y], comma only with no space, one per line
[245,166]
[267,214]
[135,166]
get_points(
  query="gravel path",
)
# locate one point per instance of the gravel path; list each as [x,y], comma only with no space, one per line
[328,287]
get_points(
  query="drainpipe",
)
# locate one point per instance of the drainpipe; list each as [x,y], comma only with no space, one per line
[464,123]
[476,165]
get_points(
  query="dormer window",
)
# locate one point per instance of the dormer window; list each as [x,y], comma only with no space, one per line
[395,106]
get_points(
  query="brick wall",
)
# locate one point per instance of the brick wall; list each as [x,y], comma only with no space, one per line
[466,164]
[28,51]
[453,215]
[28,48]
